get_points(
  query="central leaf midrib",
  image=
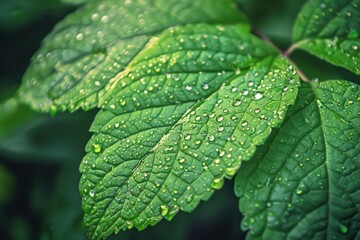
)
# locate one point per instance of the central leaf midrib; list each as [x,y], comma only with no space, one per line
[327,163]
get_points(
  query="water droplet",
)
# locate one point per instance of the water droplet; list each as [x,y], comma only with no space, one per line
[164,210]
[237,102]
[175,78]
[350,101]
[205,86]
[129,224]
[105,19]
[211,138]
[298,191]
[173,211]
[188,87]
[122,102]
[96,148]
[217,183]
[222,153]
[220,118]
[355,47]
[245,92]
[80,37]
[189,198]
[231,171]
[233,89]
[258,96]
[92,193]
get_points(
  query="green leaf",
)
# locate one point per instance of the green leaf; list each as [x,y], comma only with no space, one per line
[304,185]
[96,43]
[13,115]
[190,108]
[330,30]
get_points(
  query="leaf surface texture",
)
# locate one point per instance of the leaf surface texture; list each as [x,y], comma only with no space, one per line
[330,29]
[187,111]
[304,184]
[95,44]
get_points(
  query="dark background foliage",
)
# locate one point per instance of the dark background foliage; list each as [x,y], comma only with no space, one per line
[40,155]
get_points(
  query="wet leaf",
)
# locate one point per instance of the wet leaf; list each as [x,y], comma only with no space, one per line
[303,185]
[184,115]
[330,29]
[95,44]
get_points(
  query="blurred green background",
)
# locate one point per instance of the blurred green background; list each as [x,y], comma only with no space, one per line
[40,155]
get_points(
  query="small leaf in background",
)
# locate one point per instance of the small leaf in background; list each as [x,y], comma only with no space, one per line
[13,115]
[190,108]
[305,183]
[94,45]
[330,29]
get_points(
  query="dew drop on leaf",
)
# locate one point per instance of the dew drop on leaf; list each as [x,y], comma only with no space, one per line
[175,78]
[129,224]
[80,37]
[97,148]
[237,102]
[258,96]
[92,193]
[211,138]
[189,198]
[205,86]
[164,210]
[220,118]
[217,183]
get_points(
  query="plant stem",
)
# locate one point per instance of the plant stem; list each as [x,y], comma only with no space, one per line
[301,74]
[266,39]
[293,47]
[285,54]
[290,50]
